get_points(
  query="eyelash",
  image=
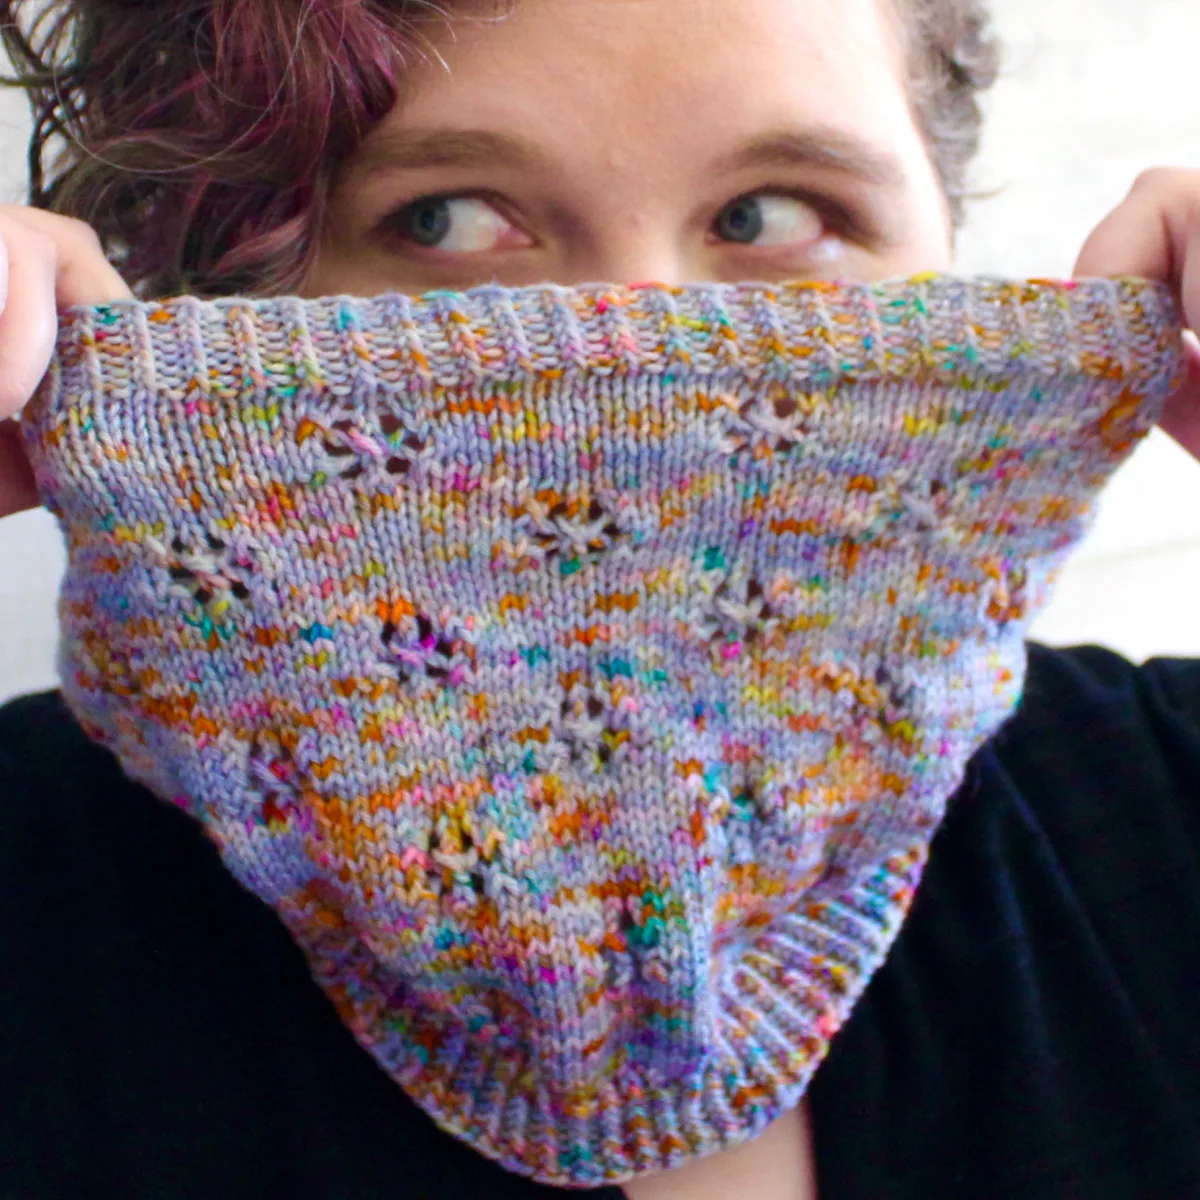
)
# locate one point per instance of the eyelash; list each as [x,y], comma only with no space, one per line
[392,224]
[842,220]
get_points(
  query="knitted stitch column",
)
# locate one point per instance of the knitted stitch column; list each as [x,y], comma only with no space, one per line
[581,674]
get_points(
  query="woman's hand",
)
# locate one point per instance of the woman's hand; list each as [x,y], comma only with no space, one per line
[46,263]
[1155,233]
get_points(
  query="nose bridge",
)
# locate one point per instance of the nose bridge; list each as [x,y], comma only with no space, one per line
[637,233]
[641,261]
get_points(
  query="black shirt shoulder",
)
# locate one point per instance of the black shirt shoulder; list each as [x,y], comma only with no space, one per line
[1030,1034]
[161,1037]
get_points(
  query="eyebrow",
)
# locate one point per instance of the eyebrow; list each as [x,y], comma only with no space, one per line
[822,147]
[410,150]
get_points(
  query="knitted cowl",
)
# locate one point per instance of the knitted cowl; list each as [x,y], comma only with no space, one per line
[581,674]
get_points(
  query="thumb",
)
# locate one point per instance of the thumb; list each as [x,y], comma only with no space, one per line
[47,263]
[1155,234]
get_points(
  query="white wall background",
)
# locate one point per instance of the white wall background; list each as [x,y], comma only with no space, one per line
[1094,91]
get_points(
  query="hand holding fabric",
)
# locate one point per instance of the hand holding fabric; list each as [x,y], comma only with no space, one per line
[1155,234]
[47,262]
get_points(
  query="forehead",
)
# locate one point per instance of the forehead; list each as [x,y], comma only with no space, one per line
[631,83]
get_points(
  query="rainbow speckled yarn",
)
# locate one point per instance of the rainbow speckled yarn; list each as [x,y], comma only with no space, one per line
[581,673]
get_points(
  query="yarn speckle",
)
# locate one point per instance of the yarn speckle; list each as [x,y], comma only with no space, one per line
[581,674]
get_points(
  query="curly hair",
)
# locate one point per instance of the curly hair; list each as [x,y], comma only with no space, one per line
[171,128]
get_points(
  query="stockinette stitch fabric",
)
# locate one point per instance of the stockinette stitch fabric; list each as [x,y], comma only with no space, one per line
[581,674]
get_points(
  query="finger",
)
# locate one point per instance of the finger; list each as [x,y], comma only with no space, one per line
[17,489]
[1181,417]
[1154,234]
[29,322]
[53,262]
[82,274]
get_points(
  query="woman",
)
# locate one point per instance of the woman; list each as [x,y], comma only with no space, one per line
[1027,1034]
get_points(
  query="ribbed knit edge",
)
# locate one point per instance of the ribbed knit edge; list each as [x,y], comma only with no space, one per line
[823,333]
[770,1043]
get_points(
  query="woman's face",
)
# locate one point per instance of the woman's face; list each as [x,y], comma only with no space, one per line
[628,141]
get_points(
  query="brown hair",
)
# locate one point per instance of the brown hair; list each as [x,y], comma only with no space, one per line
[177,122]
[953,58]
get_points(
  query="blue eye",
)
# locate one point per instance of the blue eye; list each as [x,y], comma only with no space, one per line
[741,221]
[769,219]
[456,225]
[427,221]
